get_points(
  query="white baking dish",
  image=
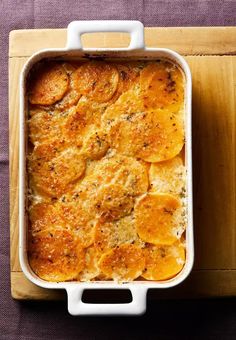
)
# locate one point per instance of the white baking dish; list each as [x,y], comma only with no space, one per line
[136,49]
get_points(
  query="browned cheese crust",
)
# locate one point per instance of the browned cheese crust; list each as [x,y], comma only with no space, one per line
[48,85]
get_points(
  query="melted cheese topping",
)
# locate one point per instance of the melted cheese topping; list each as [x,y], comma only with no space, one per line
[106,175]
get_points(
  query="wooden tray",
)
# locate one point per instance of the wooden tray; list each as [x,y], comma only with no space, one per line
[212,57]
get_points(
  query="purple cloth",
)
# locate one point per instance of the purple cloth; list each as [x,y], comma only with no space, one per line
[50,320]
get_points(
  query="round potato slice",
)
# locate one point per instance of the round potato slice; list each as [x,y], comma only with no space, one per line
[163,262]
[48,85]
[45,125]
[124,263]
[128,103]
[79,122]
[56,255]
[54,176]
[97,80]
[44,152]
[76,211]
[159,218]
[112,234]
[91,269]
[92,111]
[133,175]
[95,144]
[153,136]
[119,169]
[162,86]
[128,78]
[45,215]
[71,96]
[71,125]
[113,201]
[168,176]
[68,165]
[75,125]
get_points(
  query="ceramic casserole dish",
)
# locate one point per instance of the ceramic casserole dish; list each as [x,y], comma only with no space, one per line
[135,51]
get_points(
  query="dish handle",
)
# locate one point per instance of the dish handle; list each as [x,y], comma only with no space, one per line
[77,307]
[76,28]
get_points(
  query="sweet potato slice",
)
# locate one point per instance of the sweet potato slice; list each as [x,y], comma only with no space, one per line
[153,136]
[44,152]
[112,234]
[113,201]
[162,86]
[45,126]
[163,262]
[158,218]
[91,269]
[97,80]
[56,175]
[48,85]
[95,144]
[56,255]
[128,78]
[71,96]
[128,103]
[45,215]
[80,120]
[119,169]
[78,213]
[168,176]
[124,263]
[71,125]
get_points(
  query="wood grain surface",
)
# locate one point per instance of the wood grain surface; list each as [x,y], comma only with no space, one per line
[211,54]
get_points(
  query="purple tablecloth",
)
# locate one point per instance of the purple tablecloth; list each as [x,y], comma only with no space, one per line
[50,320]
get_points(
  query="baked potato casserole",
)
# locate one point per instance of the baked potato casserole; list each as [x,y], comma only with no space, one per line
[106,170]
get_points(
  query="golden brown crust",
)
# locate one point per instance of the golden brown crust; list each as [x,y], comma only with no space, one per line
[153,136]
[48,85]
[91,269]
[45,215]
[124,263]
[95,144]
[158,218]
[55,255]
[119,169]
[104,156]
[78,210]
[128,77]
[128,103]
[45,125]
[113,201]
[162,86]
[97,80]
[53,171]
[71,96]
[163,262]
[109,235]
[168,176]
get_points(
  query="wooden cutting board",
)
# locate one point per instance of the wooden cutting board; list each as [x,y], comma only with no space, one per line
[211,54]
